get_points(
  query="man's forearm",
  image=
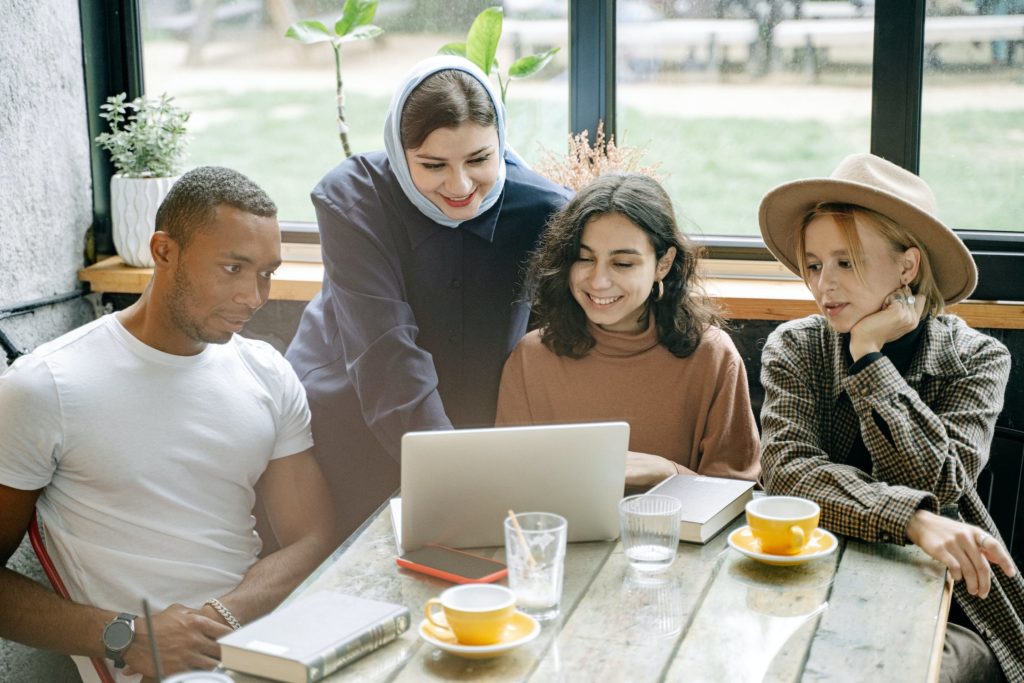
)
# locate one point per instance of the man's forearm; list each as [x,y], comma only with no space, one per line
[298,508]
[34,616]
[272,578]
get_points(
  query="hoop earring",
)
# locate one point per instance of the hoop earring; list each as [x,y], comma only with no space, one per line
[661,290]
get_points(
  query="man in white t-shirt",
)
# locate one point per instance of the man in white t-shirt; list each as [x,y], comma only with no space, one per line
[142,441]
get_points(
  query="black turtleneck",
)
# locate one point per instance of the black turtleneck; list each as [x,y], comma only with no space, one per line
[900,353]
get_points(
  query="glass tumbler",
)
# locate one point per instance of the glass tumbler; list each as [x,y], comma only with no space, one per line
[650,531]
[535,554]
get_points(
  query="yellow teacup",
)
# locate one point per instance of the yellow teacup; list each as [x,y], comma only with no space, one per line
[782,524]
[474,614]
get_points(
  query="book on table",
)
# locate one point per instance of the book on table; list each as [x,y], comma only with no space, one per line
[312,637]
[709,503]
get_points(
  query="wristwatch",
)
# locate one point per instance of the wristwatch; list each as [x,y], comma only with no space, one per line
[118,634]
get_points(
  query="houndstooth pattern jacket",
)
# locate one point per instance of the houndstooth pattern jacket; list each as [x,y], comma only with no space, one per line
[928,434]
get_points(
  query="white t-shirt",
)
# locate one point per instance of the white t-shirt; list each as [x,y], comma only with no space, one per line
[147,459]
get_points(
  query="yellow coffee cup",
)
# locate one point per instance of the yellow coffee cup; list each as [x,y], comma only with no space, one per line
[474,614]
[782,524]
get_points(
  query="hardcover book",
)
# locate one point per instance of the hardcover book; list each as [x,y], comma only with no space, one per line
[709,503]
[312,637]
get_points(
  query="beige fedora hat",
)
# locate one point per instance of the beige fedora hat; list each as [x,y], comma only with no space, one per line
[873,183]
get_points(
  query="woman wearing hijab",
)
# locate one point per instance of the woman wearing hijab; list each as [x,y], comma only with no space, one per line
[423,247]
[882,408]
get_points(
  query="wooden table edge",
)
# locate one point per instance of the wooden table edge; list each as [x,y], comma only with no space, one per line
[938,645]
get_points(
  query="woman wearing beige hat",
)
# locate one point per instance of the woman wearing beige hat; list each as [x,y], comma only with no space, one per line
[882,408]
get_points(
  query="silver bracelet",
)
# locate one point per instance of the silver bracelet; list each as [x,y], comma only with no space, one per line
[224,612]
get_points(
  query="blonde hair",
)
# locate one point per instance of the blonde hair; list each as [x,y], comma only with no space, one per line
[847,217]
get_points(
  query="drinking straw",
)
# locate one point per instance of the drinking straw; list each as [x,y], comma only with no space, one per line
[152,640]
[522,540]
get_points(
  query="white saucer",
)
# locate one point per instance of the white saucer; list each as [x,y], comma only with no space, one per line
[520,631]
[821,544]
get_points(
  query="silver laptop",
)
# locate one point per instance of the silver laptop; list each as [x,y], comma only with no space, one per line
[458,485]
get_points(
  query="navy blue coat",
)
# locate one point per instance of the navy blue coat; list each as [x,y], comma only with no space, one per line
[414,321]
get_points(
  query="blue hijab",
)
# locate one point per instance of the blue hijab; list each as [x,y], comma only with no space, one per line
[393,138]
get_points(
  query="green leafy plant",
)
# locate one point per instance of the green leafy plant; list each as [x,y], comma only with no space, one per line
[354,24]
[481,46]
[147,136]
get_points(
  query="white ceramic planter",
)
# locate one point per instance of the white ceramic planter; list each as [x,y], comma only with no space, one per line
[133,205]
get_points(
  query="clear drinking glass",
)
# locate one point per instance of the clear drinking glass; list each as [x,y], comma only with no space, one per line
[535,554]
[650,531]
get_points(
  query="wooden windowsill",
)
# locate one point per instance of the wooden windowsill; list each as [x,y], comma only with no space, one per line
[742,298]
[293,281]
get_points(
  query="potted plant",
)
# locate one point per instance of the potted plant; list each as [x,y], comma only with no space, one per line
[146,144]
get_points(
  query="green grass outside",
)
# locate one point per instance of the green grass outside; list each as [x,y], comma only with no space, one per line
[716,170]
[975,164]
[284,141]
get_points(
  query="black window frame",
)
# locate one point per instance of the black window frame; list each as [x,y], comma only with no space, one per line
[112,52]
[112,63]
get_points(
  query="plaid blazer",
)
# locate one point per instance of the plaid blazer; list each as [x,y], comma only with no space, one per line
[928,434]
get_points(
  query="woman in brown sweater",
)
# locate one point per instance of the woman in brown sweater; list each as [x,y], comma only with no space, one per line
[626,333]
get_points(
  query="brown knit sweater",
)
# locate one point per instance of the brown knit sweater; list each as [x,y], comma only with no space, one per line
[694,411]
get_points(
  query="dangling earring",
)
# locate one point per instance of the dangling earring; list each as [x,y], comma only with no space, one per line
[661,290]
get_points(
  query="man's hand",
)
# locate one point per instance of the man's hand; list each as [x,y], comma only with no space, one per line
[966,550]
[644,469]
[185,637]
[897,317]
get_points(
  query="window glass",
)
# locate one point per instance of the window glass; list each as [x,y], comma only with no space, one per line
[265,104]
[731,98]
[972,127]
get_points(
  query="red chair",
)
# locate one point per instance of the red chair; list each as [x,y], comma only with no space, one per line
[59,588]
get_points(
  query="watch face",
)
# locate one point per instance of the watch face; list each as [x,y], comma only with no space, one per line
[117,635]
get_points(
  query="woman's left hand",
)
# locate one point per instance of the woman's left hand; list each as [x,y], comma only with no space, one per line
[901,312]
[967,551]
[644,469]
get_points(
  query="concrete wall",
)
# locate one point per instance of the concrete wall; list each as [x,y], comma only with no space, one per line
[45,211]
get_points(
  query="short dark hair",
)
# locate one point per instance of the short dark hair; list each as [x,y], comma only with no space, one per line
[444,99]
[681,315]
[195,196]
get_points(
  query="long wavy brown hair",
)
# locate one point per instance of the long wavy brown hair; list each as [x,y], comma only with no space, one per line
[683,313]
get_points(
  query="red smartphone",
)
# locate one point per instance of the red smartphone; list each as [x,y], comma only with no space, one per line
[452,565]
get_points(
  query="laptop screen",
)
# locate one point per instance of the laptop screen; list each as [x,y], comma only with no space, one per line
[458,485]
